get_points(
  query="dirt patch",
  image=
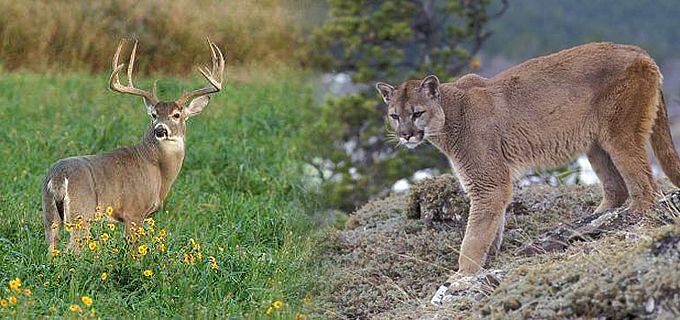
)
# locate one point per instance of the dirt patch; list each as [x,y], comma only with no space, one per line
[385,265]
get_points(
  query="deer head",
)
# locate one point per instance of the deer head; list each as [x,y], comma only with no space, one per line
[168,118]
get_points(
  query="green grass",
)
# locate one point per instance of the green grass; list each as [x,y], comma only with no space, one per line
[240,195]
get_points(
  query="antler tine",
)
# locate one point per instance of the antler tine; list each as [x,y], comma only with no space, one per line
[132,63]
[114,80]
[213,74]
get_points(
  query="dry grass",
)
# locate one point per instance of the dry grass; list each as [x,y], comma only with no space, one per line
[41,35]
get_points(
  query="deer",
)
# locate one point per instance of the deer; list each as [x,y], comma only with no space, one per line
[135,180]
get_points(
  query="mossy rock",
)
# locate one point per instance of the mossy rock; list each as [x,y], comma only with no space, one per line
[438,199]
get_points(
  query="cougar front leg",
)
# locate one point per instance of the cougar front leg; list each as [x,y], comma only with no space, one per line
[486,217]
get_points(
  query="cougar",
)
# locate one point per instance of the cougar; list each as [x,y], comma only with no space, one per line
[601,99]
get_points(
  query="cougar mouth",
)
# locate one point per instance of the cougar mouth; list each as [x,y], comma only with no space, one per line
[415,140]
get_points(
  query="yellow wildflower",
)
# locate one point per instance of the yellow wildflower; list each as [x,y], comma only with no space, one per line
[79,225]
[189,259]
[86,300]
[213,263]
[15,284]
[162,233]
[12,300]
[27,292]
[115,250]
[92,245]
[161,247]
[142,250]
[277,304]
[300,316]
[141,231]
[68,226]
[150,221]
[109,211]
[105,237]
[4,303]
[54,226]
[269,311]
[55,252]
[195,245]
[307,299]
[148,272]
[104,276]
[74,308]
[111,226]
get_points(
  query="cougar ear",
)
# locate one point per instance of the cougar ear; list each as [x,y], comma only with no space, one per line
[431,86]
[385,91]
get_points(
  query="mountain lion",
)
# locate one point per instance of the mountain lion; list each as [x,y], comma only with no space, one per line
[601,99]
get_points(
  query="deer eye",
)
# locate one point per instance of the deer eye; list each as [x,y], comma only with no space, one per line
[394,116]
[176,115]
[417,115]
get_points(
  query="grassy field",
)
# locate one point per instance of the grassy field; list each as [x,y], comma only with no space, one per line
[237,223]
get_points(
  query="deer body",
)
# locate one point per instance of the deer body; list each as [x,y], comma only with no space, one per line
[134,181]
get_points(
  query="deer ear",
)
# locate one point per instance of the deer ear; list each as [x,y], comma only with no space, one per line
[385,91]
[150,107]
[197,105]
[431,86]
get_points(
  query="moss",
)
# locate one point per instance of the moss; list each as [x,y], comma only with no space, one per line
[387,265]
[438,199]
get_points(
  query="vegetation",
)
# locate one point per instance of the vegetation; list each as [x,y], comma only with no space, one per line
[82,34]
[387,263]
[387,41]
[237,233]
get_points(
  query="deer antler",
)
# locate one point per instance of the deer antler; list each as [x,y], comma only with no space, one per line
[214,76]
[114,81]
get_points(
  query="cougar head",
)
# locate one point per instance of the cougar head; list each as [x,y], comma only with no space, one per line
[414,109]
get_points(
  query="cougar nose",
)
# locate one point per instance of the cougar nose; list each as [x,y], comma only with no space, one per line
[160,132]
[405,135]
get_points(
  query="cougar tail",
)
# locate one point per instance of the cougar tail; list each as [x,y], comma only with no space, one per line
[55,205]
[662,144]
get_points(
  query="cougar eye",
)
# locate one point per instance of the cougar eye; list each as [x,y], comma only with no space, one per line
[394,116]
[418,114]
[176,115]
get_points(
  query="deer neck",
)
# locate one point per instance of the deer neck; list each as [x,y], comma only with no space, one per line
[168,157]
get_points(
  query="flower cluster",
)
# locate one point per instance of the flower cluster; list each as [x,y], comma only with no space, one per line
[14,294]
[85,308]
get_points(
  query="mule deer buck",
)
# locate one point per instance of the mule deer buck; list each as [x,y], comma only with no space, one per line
[134,180]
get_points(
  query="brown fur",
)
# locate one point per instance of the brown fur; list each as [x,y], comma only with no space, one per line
[133,181]
[601,99]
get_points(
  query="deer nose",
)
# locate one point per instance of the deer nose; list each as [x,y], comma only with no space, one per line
[160,131]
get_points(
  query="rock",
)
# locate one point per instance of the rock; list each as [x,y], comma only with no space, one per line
[467,289]
[511,304]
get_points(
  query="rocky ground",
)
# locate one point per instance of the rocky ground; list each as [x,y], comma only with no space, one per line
[560,261]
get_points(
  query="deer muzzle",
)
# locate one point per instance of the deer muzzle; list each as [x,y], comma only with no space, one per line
[161,131]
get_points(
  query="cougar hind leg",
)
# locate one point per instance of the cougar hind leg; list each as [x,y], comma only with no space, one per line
[614,191]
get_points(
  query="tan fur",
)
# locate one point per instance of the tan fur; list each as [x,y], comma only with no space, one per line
[601,99]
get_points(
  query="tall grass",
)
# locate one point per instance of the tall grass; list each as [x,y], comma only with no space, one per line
[239,195]
[82,34]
